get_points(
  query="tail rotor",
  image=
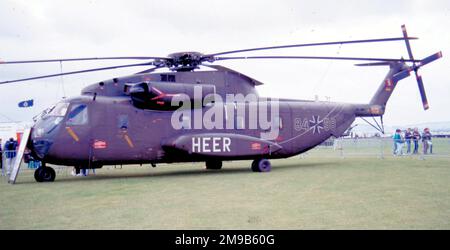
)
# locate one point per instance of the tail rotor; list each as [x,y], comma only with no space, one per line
[416,67]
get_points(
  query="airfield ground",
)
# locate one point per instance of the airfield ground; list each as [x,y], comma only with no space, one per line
[321,190]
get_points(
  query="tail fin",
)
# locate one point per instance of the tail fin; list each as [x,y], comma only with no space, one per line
[388,85]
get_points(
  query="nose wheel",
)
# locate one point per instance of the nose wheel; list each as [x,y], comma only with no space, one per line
[261,165]
[44,174]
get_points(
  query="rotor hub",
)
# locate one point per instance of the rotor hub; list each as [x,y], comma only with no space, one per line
[184,61]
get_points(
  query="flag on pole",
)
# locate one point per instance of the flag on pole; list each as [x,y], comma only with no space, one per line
[26,104]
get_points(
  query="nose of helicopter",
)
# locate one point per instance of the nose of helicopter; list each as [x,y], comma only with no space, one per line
[43,135]
[45,129]
[41,147]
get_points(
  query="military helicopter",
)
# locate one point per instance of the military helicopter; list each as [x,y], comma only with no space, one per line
[130,119]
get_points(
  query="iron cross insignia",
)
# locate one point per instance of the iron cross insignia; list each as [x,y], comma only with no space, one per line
[316,124]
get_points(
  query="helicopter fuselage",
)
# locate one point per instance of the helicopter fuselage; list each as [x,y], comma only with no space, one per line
[110,130]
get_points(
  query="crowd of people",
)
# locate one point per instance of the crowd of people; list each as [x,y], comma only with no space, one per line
[8,153]
[412,138]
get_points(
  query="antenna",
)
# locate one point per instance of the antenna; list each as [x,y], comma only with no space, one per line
[62,79]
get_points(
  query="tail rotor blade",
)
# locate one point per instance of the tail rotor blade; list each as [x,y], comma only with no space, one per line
[431,58]
[422,92]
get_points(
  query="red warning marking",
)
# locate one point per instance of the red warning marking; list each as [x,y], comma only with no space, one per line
[256,146]
[375,110]
[156,120]
[266,149]
[161,94]
[99,144]
[388,84]
[157,91]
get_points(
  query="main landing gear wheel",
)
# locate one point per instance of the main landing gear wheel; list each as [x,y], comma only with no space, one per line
[261,165]
[212,164]
[44,174]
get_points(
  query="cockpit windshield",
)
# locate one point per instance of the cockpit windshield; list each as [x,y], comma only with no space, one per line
[49,119]
[59,109]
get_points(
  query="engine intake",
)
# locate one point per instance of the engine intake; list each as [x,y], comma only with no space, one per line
[159,96]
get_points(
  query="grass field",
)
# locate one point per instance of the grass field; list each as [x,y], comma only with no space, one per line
[312,192]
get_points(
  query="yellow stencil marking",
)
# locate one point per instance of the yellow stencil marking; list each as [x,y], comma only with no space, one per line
[71,133]
[130,143]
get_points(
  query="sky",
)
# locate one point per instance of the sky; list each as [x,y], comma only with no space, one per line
[45,29]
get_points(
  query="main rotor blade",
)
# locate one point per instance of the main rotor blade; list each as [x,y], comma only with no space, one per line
[313,44]
[408,46]
[78,72]
[88,59]
[372,64]
[317,58]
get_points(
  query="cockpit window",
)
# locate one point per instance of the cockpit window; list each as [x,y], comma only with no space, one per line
[59,109]
[78,115]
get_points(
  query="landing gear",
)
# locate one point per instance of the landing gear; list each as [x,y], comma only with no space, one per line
[261,165]
[44,174]
[213,164]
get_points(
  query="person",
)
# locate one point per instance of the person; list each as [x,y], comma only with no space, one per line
[10,153]
[426,140]
[30,160]
[398,141]
[76,171]
[1,158]
[416,138]
[408,137]
[88,170]
[401,143]
[395,137]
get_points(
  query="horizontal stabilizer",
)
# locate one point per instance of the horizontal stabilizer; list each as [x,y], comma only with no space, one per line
[401,75]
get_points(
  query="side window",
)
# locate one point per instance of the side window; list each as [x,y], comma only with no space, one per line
[122,121]
[167,78]
[78,115]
